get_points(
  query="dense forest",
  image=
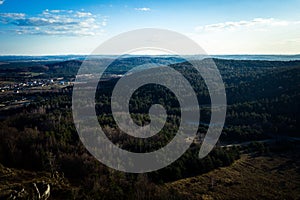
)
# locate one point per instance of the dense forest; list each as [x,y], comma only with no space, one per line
[263,105]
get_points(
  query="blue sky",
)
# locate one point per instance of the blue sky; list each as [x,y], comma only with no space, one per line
[47,27]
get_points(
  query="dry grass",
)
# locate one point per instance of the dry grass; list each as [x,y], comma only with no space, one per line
[274,177]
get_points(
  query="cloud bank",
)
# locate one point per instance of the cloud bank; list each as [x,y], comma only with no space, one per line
[55,22]
[255,23]
[255,36]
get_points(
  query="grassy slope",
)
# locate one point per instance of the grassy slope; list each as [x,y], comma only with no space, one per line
[274,177]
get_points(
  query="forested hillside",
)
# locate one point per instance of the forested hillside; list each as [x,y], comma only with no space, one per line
[40,137]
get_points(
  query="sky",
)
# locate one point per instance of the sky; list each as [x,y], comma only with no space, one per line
[52,27]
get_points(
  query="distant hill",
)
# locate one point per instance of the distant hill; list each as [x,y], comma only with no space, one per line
[58,58]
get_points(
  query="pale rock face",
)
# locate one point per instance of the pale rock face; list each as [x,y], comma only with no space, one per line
[43,196]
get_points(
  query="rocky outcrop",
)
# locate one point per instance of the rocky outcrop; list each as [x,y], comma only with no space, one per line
[21,184]
[42,191]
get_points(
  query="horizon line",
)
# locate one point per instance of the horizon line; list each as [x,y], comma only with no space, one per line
[44,55]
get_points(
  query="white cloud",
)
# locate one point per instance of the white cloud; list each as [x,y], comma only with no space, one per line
[259,35]
[104,22]
[12,15]
[143,9]
[55,22]
[83,14]
[1,2]
[233,25]
[56,11]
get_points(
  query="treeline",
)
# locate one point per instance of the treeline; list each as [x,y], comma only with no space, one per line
[190,165]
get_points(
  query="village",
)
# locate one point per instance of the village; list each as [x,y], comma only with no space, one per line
[25,89]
